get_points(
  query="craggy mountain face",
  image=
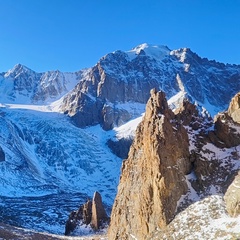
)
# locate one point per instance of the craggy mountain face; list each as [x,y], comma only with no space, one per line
[23,85]
[122,77]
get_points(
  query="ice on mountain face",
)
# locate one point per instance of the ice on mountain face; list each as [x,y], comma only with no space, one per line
[128,129]
[155,51]
[51,167]
[175,101]
[46,154]
[40,213]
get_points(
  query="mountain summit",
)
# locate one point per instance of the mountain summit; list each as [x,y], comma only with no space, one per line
[126,77]
[157,52]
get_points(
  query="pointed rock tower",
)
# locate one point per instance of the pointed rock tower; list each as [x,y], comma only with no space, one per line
[152,179]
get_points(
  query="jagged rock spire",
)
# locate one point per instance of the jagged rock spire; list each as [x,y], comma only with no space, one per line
[152,179]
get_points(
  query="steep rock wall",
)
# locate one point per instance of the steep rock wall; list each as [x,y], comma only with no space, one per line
[152,179]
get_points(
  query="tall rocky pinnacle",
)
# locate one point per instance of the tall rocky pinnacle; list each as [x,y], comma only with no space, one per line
[152,179]
[99,215]
[91,212]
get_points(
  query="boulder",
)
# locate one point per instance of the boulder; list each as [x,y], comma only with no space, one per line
[227,125]
[232,197]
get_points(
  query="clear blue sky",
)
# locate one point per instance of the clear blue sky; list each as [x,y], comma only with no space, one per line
[72,34]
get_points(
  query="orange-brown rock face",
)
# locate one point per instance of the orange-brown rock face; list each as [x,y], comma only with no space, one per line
[152,179]
[234,108]
[227,124]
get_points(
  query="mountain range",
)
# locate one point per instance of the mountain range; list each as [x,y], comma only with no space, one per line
[66,133]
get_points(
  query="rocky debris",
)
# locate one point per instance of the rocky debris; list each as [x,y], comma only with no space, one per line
[92,212]
[2,155]
[232,197]
[153,176]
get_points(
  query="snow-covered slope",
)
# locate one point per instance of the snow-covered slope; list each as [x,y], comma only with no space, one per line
[45,153]
[23,85]
[205,219]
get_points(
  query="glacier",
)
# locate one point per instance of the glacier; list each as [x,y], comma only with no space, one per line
[52,166]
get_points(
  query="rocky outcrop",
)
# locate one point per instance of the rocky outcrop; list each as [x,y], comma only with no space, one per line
[113,117]
[232,197]
[99,216]
[153,176]
[91,212]
[227,124]
[234,108]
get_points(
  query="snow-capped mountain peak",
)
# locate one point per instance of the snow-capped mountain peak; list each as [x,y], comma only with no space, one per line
[155,51]
[17,70]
